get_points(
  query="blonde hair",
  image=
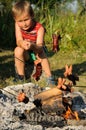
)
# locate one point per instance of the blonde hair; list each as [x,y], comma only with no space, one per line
[21,7]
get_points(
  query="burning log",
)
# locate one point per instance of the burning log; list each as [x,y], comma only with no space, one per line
[53,105]
[50,100]
[54,99]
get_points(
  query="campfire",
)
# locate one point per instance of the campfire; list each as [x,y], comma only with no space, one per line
[59,106]
[71,115]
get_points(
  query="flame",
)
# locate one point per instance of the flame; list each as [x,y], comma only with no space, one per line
[76,115]
[71,115]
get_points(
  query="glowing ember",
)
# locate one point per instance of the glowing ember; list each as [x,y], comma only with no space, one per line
[71,115]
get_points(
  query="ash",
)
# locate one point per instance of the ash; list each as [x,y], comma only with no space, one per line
[12,112]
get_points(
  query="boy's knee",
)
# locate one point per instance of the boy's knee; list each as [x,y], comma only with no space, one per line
[42,55]
[18,51]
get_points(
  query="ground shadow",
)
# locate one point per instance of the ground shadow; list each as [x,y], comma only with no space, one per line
[50,53]
[7,67]
[78,69]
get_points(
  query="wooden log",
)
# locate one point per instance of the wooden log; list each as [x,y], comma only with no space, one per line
[51,100]
[48,94]
[53,104]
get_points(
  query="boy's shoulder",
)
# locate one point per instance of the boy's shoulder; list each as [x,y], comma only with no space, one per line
[38,24]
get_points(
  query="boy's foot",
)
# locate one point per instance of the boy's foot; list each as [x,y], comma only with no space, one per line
[21,79]
[18,78]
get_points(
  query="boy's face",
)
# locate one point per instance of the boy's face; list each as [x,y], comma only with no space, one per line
[24,21]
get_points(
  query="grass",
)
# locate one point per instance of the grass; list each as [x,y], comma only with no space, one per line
[57,62]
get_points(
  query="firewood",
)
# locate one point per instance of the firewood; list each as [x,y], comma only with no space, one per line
[48,94]
[54,104]
[51,100]
[50,104]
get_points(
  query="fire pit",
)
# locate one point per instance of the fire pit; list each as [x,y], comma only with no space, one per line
[68,112]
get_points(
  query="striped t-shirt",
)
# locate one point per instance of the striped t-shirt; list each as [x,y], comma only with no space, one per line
[31,35]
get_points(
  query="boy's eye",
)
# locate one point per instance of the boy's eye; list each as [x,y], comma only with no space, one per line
[20,21]
[24,20]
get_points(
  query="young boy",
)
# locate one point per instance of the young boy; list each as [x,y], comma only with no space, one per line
[29,37]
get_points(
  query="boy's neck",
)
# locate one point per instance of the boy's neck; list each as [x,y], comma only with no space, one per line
[32,26]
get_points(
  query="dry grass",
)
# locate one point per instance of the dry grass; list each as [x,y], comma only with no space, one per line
[57,61]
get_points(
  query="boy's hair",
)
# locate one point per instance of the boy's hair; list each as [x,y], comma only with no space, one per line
[22,6]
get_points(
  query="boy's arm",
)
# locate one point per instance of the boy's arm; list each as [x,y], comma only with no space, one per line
[40,36]
[38,47]
[19,39]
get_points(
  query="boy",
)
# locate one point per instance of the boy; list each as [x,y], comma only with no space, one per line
[29,37]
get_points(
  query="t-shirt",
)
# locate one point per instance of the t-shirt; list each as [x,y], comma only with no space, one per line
[31,35]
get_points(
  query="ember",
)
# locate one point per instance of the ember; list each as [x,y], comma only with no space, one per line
[71,115]
[46,108]
[16,115]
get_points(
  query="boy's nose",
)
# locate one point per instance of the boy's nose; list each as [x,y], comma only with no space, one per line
[24,23]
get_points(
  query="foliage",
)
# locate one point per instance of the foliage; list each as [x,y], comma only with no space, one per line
[71,26]
[7,31]
[55,18]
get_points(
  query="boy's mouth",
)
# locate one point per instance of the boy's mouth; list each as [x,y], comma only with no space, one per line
[25,28]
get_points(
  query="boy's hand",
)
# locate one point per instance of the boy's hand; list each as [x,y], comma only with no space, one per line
[26,45]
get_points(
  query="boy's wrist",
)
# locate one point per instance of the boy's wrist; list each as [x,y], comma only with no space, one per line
[36,48]
[19,43]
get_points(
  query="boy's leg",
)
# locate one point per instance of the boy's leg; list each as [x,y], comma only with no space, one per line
[21,64]
[19,60]
[46,67]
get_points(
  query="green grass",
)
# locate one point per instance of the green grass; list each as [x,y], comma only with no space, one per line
[57,62]
[72,29]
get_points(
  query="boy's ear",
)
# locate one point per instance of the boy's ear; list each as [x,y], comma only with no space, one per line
[14,18]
